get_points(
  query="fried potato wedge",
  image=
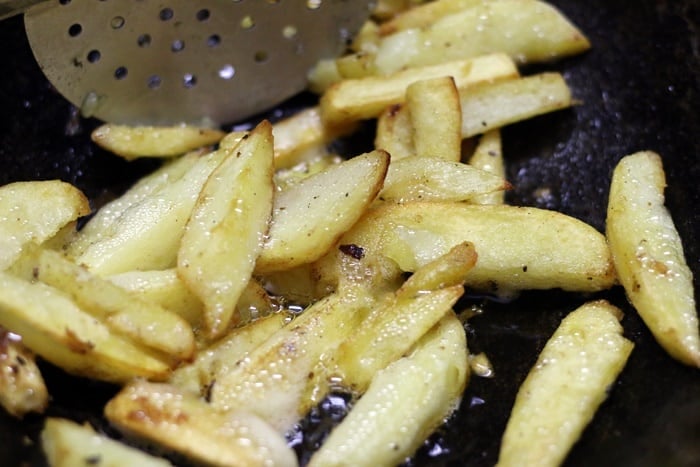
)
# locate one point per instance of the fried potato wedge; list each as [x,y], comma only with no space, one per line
[367,37]
[280,380]
[323,75]
[390,332]
[424,15]
[519,247]
[295,135]
[648,255]
[107,215]
[436,115]
[69,444]
[527,30]
[394,132]
[562,392]
[488,156]
[33,212]
[183,423]
[53,327]
[127,314]
[165,288]
[310,216]
[286,178]
[357,99]
[436,179]
[214,362]
[132,142]
[144,232]
[22,388]
[398,322]
[493,105]
[390,421]
[224,235]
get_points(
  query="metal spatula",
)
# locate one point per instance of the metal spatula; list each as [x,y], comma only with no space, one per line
[194,61]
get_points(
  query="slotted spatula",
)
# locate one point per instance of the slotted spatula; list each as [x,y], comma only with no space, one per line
[194,61]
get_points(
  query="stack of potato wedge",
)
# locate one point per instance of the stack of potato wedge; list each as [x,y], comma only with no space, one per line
[255,272]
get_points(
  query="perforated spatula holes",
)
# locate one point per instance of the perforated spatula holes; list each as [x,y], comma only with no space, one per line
[216,61]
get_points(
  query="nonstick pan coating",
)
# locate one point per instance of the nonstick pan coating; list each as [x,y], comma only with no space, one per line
[639,89]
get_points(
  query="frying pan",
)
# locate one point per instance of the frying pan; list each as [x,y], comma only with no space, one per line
[639,88]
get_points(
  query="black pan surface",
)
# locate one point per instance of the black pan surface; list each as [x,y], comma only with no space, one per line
[639,89]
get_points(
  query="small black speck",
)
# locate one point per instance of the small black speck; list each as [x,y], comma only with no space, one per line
[353,250]
[93,460]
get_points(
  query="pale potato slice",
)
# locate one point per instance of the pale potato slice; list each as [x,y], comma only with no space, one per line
[224,233]
[33,212]
[53,327]
[436,116]
[366,38]
[488,156]
[519,247]
[493,105]
[397,323]
[648,255]
[132,142]
[286,178]
[183,423]
[390,421]
[281,379]
[357,99]
[294,136]
[355,66]
[323,75]
[562,392]
[527,30]
[167,289]
[310,216]
[163,287]
[231,140]
[436,179]
[22,388]
[394,132]
[389,332]
[145,232]
[424,15]
[69,444]
[107,216]
[214,362]
[145,323]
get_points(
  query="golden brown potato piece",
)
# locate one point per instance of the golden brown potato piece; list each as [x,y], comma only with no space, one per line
[436,116]
[519,247]
[527,30]
[308,217]
[183,423]
[391,420]
[53,327]
[563,390]
[357,99]
[132,142]
[225,231]
[22,388]
[648,255]
[39,210]
[68,444]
